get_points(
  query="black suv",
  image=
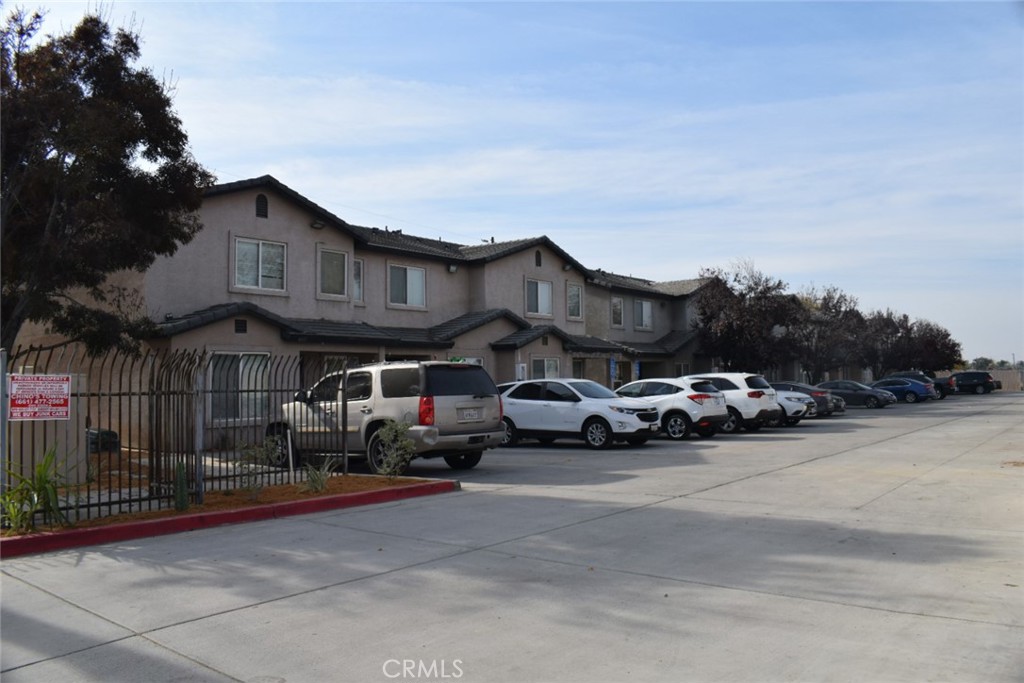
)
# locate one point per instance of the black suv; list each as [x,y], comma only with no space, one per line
[976,382]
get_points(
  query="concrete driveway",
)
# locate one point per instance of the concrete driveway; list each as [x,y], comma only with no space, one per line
[883,545]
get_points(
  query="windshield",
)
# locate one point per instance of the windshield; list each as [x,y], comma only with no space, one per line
[592,389]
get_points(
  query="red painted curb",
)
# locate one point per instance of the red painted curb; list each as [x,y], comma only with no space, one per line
[15,546]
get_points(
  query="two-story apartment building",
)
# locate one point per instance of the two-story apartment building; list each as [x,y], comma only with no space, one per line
[273,272]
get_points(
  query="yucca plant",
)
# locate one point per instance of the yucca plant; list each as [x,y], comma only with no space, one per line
[35,493]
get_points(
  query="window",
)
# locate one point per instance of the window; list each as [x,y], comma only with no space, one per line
[538,297]
[545,367]
[357,279]
[407,286]
[239,386]
[259,264]
[333,266]
[578,366]
[261,206]
[574,301]
[642,315]
[537,261]
[616,311]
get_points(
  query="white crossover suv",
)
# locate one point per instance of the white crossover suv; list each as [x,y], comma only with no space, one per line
[685,406]
[751,401]
[549,409]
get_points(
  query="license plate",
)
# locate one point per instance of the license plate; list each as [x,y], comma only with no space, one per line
[469,414]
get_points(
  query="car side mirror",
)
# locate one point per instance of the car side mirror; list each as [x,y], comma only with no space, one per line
[302,396]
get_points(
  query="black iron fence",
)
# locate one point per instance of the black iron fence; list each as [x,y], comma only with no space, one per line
[137,421]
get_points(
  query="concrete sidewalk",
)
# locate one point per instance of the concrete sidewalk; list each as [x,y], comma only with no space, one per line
[883,545]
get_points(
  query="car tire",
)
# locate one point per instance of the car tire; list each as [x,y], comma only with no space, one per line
[375,456]
[911,397]
[705,432]
[279,436]
[776,421]
[732,425]
[871,402]
[511,437]
[676,426]
[464,461]
[980,389]
[597,433]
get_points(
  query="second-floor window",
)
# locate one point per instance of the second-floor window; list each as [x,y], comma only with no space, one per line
[616,311]
[574,301]
[357,279]
[333,272]
[643,315]
[259,264]
[538,297]
[407,286]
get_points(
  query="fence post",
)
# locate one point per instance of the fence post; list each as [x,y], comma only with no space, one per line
[3,421]
[200,422]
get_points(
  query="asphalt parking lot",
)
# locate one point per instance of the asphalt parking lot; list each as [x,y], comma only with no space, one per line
[883,545]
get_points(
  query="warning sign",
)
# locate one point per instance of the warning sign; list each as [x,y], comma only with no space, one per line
[40,397]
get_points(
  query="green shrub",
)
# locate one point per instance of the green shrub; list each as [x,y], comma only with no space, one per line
[252,466]
[397,448]
[316,477]
[33,494]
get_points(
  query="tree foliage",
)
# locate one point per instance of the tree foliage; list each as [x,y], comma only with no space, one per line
[825,332]
[743,318]
[890,342]
[97,178]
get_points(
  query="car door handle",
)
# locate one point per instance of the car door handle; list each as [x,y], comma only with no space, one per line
[366,410]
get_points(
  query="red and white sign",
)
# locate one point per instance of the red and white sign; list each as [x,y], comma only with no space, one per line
[40,397]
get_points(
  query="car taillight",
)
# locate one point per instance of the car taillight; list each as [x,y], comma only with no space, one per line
[755,394]
[819,393]
[426,410]
[700,398]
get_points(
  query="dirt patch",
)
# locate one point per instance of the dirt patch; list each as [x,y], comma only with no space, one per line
[235,499]
[1014,463]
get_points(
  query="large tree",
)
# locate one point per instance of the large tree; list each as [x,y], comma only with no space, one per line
[824,336]
[97,178]
[743,318]
[933,348]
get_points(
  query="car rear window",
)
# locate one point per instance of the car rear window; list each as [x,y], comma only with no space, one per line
[704,385]
[400,382]
[758,382]
[459,380]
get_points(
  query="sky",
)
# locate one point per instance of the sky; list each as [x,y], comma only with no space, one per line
[877,147]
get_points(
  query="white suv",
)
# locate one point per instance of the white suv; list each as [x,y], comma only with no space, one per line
[684,406]
[549,409]
[453,411]
[750,399]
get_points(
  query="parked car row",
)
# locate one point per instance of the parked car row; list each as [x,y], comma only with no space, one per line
[455,411]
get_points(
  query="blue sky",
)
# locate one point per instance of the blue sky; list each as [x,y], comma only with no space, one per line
[877,147]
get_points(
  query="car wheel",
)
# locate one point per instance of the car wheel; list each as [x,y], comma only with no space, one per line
[705,432]
[911,397]
[776,421]
[464,461]
[732,425]
[511,438]
[980,389]
[278,437]
[870,402]
[375,457]
[597,434]
[636,440]
[676,426]
[942,394]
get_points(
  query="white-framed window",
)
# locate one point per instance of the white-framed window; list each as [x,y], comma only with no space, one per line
[407,286]
[544,367]
[616,311]
[239,386]
[538,297]
[574,301]
[333,272]
[259,264]
[357,280]
[643,315]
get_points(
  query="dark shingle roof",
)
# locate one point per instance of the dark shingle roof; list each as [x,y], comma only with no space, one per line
[682,287]
[603,278]
[470,321]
